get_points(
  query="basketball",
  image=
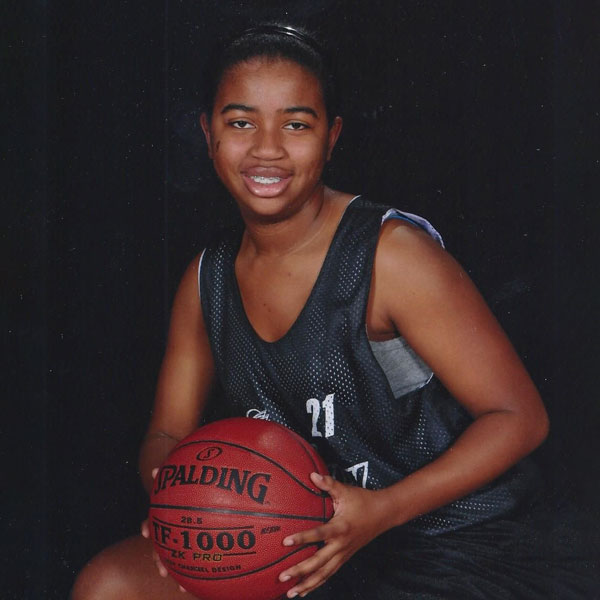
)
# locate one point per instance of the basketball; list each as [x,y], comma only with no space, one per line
[224,500]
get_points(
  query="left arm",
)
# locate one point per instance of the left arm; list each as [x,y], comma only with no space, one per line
[436,307]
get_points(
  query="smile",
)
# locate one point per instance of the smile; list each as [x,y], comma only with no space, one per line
[265,180]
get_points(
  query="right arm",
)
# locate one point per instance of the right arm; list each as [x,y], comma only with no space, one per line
[185,379]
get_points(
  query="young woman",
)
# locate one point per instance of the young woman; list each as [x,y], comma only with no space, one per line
[347,321]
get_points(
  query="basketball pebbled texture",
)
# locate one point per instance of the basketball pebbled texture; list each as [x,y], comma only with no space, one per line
[224,500]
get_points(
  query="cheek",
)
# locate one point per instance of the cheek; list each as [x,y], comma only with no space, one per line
[308,150]
[227,155]
[313,156]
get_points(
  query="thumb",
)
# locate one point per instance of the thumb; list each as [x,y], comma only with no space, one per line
[325,483]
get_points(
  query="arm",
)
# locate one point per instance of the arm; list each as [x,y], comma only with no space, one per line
[438,310]
[185,378]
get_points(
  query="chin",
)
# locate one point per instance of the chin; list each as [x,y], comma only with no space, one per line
[267,209]
[274,215]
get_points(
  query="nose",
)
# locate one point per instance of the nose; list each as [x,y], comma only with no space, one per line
[268,144]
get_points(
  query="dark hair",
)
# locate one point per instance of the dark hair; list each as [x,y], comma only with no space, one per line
[274,41]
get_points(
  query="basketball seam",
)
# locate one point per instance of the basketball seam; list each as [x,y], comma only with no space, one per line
[302,443]
[231,511]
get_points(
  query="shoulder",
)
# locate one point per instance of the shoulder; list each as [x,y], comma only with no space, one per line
[189,279]
[414,278]
[405,250]
[187,299]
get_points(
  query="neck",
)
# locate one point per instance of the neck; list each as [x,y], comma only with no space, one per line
[292,234]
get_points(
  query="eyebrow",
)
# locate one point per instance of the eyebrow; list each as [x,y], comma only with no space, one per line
[243,107]
[289,110]
[302,109]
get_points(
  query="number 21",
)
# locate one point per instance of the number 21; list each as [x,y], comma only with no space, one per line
[313,406]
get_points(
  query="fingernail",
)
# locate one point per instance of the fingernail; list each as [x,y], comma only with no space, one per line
[284,578]
[318,476]
[288,542]
[292,594]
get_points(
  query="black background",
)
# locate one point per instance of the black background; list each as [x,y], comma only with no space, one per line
[481,116]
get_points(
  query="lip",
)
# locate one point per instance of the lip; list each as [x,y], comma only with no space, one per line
[264,171]
[266,189]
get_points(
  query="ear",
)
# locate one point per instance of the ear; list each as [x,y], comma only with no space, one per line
[334,134]
[204,123]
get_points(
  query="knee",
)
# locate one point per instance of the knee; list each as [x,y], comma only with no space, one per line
[103,578]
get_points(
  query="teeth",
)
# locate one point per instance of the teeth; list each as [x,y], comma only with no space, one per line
[265,180]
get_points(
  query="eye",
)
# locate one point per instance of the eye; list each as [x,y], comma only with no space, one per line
[241,124]
[296,126]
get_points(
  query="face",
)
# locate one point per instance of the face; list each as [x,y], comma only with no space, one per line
[268,136]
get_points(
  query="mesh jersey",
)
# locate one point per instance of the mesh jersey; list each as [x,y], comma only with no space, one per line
[322,380]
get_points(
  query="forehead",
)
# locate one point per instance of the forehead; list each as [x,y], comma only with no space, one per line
[269,81]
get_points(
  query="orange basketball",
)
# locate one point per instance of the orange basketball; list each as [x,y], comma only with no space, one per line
[225,499]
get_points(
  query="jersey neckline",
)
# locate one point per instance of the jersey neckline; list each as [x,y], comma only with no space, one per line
[238,295]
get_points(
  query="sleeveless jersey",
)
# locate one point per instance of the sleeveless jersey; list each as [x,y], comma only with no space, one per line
[322,380]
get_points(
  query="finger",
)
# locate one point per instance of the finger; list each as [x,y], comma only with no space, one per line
[325,483]
[335,527]
[311,564]
[182,589]
[310,536]
[315,579]
[154,472]
[162,570]
[330,486]
[145,529]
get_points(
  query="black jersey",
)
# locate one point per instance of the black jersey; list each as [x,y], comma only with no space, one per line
[322,380]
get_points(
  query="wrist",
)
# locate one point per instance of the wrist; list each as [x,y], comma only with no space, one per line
[397,506]
[386,511]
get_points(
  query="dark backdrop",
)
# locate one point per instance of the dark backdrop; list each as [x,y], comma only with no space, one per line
[481,116]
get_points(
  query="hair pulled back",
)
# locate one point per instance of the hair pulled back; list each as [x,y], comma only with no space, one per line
[274,41]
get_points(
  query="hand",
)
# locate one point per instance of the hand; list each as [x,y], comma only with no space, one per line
[359,517]
[145,531]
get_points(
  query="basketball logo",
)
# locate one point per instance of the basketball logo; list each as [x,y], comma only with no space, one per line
[225,499]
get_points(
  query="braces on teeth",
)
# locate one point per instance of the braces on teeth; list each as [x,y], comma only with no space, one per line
[265,180]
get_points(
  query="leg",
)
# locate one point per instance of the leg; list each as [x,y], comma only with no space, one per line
[125,571]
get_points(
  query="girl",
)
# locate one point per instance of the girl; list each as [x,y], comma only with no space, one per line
[348,322]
